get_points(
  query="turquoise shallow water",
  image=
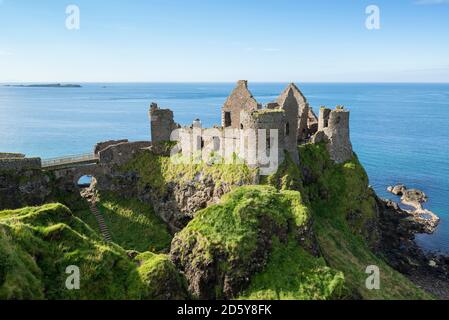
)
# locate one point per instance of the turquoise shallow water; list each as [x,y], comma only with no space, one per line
[399,131]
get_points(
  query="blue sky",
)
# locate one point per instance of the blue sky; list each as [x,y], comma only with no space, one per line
[226,40]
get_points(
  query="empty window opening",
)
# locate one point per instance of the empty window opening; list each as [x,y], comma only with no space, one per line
[228,121]
[287,129]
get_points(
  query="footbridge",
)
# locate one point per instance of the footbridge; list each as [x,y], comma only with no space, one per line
[72,161]
[100,164]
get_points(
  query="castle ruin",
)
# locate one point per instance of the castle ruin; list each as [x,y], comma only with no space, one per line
[286,123]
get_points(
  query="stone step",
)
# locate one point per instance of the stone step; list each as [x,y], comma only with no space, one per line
[101,223]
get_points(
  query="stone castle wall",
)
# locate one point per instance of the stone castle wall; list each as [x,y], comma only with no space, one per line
[241,99]
[4,155]
[119,154]
[103,145]
[19,164]
[290,115]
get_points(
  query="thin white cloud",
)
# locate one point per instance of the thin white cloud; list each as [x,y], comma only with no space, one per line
[431,2]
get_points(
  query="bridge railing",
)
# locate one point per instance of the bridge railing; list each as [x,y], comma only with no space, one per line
[53,162]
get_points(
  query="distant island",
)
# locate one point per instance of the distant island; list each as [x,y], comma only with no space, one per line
[51,85]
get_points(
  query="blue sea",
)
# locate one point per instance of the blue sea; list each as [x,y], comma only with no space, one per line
[399,131]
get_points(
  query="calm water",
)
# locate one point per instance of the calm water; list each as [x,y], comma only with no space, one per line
[400,131]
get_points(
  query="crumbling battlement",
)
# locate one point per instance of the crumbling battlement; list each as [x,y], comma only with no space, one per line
[290,115]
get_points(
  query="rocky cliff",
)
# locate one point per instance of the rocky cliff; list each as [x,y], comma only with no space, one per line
[307,232]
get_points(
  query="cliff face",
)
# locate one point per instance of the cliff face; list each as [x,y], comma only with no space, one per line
[226,244]
[22,186]
[178,191]
[308,232]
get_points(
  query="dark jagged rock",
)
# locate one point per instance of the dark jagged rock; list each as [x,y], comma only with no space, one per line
[398,230]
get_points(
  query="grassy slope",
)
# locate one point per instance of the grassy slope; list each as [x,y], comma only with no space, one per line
[88,218]
[232,229]
[37,244]
[294,274]
[133,224]
[157,171]
[341,190]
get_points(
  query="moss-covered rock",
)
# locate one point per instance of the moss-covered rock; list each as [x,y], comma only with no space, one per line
[226,244]
[178,189]
[293,274]
[38,244]
[346,224]
[162,281]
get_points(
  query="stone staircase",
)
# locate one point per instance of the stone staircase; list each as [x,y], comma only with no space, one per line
[103,228]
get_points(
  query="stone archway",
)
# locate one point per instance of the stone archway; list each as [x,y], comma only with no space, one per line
[86,181]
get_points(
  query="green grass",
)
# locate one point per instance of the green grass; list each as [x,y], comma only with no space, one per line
[293,274]
[233,225]
[88,217]
[344,207]
[38,244]
[162,279]
[133,225]
[228,236]
[157,171]
[287,177]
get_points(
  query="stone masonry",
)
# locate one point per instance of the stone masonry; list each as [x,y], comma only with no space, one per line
[162,123]
[290,115]
[334,124]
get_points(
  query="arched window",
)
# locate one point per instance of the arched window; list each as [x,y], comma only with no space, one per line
[287,129]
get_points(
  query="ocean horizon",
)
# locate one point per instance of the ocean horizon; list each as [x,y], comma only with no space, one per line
[399,130]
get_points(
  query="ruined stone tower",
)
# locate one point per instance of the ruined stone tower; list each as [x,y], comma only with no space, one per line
[162,123]
[269,120]
[334,124]
[291,122]
[286,122]
[241,99]
[298,107]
